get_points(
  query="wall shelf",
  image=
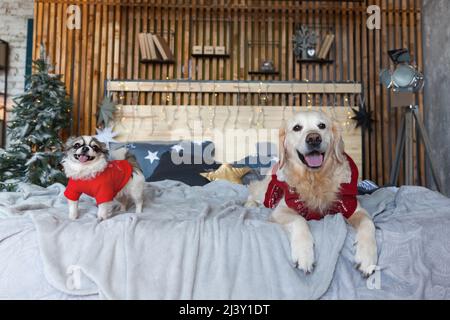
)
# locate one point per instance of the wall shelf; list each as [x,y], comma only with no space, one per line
[152,61]
[222,38]
[208,86]
[264,73]
[206,56]
[260,52]
[315,60]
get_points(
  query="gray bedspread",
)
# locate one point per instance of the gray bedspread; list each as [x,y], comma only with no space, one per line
[201,243]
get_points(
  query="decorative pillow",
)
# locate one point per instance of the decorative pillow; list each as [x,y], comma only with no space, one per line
[187,173]
[259,163]
[227,172]
[253,175]
[367,187]
[153,155]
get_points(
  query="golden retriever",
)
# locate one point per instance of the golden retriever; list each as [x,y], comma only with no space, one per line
[314,167]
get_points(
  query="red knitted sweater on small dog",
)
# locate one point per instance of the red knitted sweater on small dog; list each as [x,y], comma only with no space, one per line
[346,202]
[104,186]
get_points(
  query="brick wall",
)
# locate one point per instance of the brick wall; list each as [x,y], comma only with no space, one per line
[13,29]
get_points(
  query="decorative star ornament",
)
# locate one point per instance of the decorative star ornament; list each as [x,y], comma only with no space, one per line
[152,156]
[227,172]
[106,135]
[363,118]
[106,112]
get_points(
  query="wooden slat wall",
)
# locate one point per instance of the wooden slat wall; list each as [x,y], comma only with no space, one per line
[106,48]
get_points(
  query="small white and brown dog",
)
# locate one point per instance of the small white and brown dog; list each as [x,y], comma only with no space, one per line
[315,177]
[89,171]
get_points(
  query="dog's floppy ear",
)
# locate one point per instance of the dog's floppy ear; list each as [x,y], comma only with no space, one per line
[338,142]
[282,147]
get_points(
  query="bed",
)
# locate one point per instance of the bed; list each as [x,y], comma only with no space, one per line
[200,242]
[197,240]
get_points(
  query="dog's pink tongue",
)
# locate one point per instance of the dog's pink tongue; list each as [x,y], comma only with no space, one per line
[314,160]
[82,158]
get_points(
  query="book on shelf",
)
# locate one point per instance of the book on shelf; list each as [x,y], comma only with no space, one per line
[326,46]
[163,47]
[143,45]
[154,47]
[322,46]
[151,47]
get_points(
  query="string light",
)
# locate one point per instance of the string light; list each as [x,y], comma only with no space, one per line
[308,96]
[346,123]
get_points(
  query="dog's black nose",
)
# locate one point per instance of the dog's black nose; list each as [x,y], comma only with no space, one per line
[85,149]
[313,139]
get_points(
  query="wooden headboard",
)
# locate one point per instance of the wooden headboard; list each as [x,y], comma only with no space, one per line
[234,129]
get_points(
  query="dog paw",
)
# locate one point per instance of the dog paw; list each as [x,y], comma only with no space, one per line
[103,215]
[366,255]
[73,215]
[302,252]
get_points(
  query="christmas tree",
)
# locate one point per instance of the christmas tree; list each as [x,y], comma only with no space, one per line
[39,117]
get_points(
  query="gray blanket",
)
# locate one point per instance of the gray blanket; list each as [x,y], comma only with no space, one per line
[190,243]
[413,239]
[201,243]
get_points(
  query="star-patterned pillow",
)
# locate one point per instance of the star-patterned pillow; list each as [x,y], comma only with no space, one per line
[260,163]
[151,155]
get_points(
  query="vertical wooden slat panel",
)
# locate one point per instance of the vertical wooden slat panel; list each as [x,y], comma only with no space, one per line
[398,44]
[51,41]
[365,77]
[377,103]
[97,38]
[37,27]
[59,25]
[104,37]
[117,40]
[83,69]
[88,92]
[420,100]
[384,137]
[45,24]
[73,66]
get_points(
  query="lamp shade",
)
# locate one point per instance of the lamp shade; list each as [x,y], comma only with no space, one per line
[405,78]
